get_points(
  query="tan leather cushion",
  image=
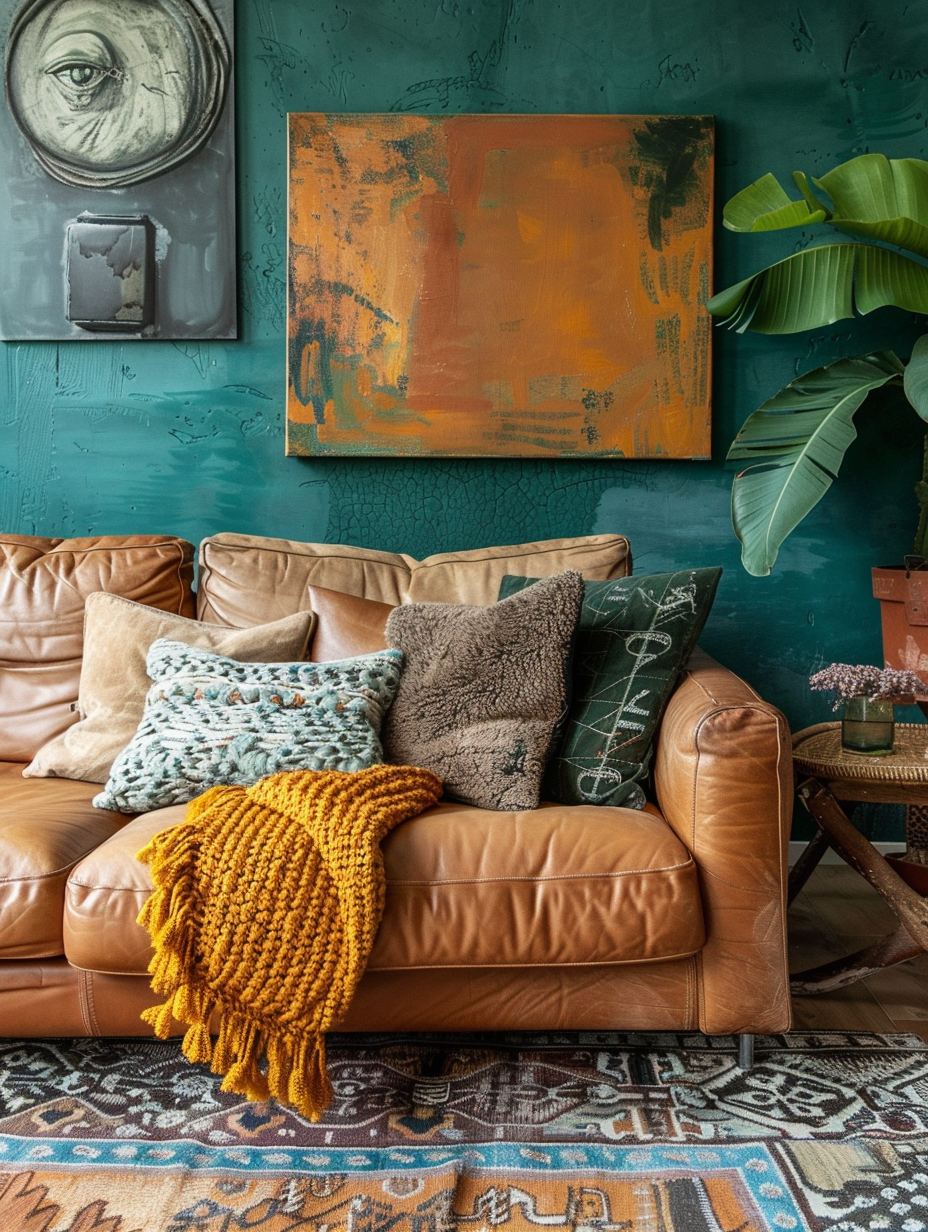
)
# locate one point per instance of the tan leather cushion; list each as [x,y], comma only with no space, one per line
[45,828]
[43,585]
[114,682]
[465,888]
[346,625]
[246,580]
[723,775]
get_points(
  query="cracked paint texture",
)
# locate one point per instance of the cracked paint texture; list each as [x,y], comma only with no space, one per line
[188,439]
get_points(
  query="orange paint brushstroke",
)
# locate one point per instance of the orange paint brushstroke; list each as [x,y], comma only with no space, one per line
[485,285]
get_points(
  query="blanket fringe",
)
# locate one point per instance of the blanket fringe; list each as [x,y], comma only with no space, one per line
[239,905]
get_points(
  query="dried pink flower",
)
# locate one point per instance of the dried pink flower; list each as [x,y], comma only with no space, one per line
[849,680]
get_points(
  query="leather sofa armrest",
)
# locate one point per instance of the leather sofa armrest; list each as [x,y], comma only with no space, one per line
[723,777]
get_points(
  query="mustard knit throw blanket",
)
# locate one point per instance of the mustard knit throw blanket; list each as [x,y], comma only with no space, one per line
[267,900]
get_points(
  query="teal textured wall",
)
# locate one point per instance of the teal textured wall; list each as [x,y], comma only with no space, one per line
[118,437]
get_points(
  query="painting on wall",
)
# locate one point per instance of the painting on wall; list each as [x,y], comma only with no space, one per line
[499,285]
[117,170]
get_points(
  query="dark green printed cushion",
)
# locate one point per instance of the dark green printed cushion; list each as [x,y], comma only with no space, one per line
[634,638]
[211,720]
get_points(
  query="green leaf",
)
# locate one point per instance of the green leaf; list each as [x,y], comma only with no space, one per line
[884,277]
[872,188]
[902,232]
[764,206]
[797,441]
[881,199]
[727,303]
[819,286]
[915,380]
[802,183]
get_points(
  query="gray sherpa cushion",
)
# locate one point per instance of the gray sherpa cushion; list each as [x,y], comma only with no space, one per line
[483,690]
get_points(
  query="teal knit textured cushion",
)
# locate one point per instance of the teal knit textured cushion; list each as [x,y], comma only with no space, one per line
[634,638]
[210,720]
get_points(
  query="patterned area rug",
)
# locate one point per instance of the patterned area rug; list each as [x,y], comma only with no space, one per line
[586,1131]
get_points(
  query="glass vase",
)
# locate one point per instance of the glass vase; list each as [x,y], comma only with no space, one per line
[867,726]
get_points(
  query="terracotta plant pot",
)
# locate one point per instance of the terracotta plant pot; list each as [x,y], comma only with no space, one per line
[903,600]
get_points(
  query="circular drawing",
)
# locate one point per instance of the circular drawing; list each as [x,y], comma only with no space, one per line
[111,92]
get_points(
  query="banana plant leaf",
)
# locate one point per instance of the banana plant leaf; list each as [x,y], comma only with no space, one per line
[801,180]
[903,232]
[797,441]
[881,199]
[915,380]
[819,286]
[765,206]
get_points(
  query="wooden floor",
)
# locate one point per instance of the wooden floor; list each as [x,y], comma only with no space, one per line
[836,913]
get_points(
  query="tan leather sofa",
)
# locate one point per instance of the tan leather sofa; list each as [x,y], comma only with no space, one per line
[565,917]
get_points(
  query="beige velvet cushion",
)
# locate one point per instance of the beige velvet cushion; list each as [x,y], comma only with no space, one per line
[483,690]
[117,635]
[245,580]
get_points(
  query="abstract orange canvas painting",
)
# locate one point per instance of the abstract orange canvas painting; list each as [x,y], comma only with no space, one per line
[499,285]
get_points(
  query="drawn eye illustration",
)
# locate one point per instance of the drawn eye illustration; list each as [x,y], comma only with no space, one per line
[78,74]
[81,67]
[81,77]
[111,92]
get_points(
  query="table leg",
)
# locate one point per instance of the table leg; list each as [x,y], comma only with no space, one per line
[909,940]
[897,947]
[847,840]
[802,870]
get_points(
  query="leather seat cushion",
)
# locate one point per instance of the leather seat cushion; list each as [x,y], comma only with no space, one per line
[465,888]
[46,826]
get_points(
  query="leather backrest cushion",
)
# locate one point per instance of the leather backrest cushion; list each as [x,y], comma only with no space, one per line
[346,626]
[246,580]
[43,585]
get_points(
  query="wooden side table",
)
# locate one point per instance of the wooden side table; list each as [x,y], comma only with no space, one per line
[827,774]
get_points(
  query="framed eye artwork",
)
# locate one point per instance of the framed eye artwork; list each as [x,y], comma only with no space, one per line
[117,169]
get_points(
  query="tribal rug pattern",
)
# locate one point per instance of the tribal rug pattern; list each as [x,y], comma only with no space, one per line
[588,1131]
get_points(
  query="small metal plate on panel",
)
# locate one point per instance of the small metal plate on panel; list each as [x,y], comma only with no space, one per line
[111,273]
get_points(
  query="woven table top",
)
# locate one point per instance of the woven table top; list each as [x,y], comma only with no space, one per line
[817,750]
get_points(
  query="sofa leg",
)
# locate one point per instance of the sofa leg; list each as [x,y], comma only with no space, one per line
[746,1051]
